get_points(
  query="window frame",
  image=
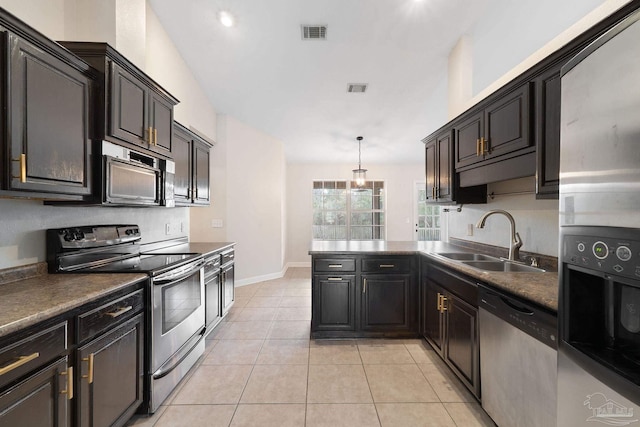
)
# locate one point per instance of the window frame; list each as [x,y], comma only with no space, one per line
[350,187]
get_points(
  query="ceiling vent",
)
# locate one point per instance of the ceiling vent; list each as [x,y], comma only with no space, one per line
[314,32]
[356,87]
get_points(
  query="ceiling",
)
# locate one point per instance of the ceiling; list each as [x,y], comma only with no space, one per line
[261,72]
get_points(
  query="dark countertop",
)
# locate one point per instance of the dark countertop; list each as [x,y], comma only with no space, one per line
[24,303]
[541,288]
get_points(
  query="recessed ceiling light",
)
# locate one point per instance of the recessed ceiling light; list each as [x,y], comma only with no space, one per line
[226,19]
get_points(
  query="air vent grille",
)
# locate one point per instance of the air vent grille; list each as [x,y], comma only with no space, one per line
[314,32]
[356,87]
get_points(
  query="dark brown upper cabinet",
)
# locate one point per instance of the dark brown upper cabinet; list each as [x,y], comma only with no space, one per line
[548,134]
[192,156]
[501,128]
[133,109]
[441,179]
[46,127]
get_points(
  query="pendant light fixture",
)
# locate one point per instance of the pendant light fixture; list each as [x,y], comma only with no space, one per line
[359,175]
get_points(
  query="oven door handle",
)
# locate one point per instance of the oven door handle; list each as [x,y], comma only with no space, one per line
[180,355]
[177,275]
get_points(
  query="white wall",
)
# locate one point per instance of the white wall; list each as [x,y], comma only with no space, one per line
[47,16]
[254,177]
[399,182]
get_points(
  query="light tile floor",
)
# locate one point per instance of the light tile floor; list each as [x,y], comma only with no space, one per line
[261,369]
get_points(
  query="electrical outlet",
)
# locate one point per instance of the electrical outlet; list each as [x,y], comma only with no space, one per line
[216,223]
[469,229]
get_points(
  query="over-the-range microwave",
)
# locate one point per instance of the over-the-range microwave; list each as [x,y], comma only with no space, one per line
[130,178]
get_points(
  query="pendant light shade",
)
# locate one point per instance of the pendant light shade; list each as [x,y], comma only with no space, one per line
[359,175]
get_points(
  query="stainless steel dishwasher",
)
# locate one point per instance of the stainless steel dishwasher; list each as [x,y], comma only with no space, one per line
[518,361]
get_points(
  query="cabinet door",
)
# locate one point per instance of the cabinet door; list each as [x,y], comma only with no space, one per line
[40,400]
[386,302]
[182,158]
[507,124]
[212,302]
[444,189]
[333,306]
[129,108]
[432,317]
[110,375]
[431,168]
[228,287]
[161,121]
[548,134]
[50,144]
[201,172]
[461,345]
[467,137]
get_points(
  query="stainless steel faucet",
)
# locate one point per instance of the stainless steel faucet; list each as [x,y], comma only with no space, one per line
[516,241]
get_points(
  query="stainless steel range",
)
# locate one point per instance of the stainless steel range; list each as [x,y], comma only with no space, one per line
[175,295]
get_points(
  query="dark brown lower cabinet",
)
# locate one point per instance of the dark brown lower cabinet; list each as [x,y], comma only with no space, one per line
[110,376]
[450,322]
[334,303]
[386,302]
[41,400]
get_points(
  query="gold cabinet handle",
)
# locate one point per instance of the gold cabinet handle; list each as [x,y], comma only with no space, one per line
[89,375]
[439,303]
[364,287]
[21,361]
[387,265]
[484,146]
[23,167]
[155,137]
[334,279]
[150,130]
[120,311]
[69,390]
[443,305]
[433,192]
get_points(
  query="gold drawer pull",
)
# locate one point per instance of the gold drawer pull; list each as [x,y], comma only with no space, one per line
[21,361]
[23,167]
[120,311]
[444,302]
[439,303]
[334,279]
[335,265]
[89,375]
[69,390]
[387,265]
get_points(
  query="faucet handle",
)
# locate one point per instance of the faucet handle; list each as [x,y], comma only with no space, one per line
[518,241]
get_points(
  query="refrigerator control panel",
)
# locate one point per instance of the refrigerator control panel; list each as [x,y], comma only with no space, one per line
[614,255]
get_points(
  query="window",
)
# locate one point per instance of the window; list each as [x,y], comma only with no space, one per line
[428,216]
[342,211]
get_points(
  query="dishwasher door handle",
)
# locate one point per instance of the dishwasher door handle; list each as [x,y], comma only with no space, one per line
[516,307]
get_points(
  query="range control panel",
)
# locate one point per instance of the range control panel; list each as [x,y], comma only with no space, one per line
[92,236]
[617,254]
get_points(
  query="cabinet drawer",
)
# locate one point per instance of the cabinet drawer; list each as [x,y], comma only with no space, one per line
[211,267]
[109,314]
[227,256]
[334,264]
[387,265]
[464,288]
[31,352]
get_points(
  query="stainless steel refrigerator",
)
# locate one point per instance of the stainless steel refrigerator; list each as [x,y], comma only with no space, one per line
[599,268]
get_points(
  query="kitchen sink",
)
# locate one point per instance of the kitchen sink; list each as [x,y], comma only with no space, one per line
[467,256]
[503,266]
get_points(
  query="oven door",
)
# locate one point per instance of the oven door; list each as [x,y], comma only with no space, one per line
[178,311]
[127,183]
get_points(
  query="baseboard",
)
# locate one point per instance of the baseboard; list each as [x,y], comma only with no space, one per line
[271,276]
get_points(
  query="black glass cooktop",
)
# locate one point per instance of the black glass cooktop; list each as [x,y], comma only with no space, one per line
[152,264]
